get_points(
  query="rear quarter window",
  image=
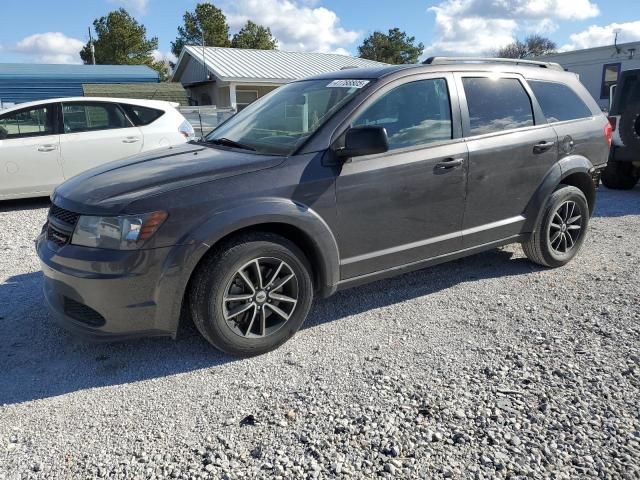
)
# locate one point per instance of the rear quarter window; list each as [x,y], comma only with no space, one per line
[142,116]
[559,102]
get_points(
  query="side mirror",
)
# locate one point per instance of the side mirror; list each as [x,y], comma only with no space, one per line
[361,141]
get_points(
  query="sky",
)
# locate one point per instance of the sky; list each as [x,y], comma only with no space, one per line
[45,31]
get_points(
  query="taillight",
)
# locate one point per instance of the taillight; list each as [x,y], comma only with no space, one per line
[614,123]
[608,133]
[187,131]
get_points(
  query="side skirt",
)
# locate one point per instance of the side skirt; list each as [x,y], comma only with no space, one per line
[410,267]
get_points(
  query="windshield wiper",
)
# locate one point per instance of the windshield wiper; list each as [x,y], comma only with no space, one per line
[230,143]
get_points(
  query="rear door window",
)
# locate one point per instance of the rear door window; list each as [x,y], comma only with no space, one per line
[142,116]
[31,122]
[88,117]
[497,104]
[559,103]
[416,113]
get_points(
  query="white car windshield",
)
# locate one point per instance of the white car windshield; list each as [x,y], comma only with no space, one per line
[281,121]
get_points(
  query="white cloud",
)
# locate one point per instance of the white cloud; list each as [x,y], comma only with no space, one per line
[50,47]
[134,6]
[476,27]
[520,9]
[159,56]
[597,36]
[298,26]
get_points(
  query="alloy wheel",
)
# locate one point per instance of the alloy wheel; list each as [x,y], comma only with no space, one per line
[565,227]
[260,298]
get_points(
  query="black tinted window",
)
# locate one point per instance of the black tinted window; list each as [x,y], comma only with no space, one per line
[610,75]
[27,123]
[84,117]
[497,104]
[142,115]
[415,113]
[559,102]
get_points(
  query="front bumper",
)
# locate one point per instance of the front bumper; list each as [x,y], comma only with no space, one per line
[113,294]
[596,174]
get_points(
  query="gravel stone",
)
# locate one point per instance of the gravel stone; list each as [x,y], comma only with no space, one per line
[486,367]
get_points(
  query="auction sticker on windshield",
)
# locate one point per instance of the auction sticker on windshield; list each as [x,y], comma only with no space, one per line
[348,83]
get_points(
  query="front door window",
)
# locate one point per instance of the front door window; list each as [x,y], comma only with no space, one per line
[416,113]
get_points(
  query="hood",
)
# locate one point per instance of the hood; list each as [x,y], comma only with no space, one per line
[114,185]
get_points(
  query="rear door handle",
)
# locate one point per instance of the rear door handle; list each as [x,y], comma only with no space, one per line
[543,147]
[47,148]
[131,140]
[450,163]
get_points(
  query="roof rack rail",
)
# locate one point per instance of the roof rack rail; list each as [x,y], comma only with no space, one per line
[513,61]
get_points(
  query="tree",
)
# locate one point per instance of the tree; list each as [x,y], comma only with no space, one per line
[205,22]
[395,47]
[532,46]
[121,40]
[254,36]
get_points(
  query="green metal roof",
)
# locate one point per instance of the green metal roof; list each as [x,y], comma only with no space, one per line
[169,92]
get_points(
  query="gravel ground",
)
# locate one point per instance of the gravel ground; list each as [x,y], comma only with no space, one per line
[488,367]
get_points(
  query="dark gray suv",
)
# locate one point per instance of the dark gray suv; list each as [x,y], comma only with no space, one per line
[324,184]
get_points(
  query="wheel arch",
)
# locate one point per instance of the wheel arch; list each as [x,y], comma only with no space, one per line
[296,222]
[574,170]
[294,233]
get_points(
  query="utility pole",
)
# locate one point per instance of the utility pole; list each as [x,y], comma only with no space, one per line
[92,48]
[204,58]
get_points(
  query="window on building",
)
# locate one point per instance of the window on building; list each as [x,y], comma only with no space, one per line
[496,105]
[610,74]
[244,98]
[416,113]
[27,123]
[559,103]
[86,117]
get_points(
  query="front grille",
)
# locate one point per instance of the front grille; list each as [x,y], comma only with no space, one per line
[60,225]
[63,215]
[56,236]
[82,313]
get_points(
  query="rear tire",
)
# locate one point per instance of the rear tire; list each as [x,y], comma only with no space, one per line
[620,175]
[263,276]
[561,229]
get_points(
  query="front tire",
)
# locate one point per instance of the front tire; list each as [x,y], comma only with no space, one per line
[252,294]
[620,175]
[561,230]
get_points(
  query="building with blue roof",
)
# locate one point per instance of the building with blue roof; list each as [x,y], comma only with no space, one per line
[25,82]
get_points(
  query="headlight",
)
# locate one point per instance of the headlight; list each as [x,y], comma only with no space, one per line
[117,233]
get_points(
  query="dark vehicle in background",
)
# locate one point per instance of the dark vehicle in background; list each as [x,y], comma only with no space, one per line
[623,168]
[321,185]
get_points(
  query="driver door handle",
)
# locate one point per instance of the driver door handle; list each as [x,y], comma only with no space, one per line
[450,163]
[131,140]
[47,148]
[543,147]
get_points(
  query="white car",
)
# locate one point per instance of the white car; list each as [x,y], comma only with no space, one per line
[44,143]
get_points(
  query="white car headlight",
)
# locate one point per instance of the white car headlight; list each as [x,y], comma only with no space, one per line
[126,232]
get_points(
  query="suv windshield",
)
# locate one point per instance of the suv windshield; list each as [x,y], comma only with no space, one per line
[279,122]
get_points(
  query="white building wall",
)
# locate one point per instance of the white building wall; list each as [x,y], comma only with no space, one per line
[589,64]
